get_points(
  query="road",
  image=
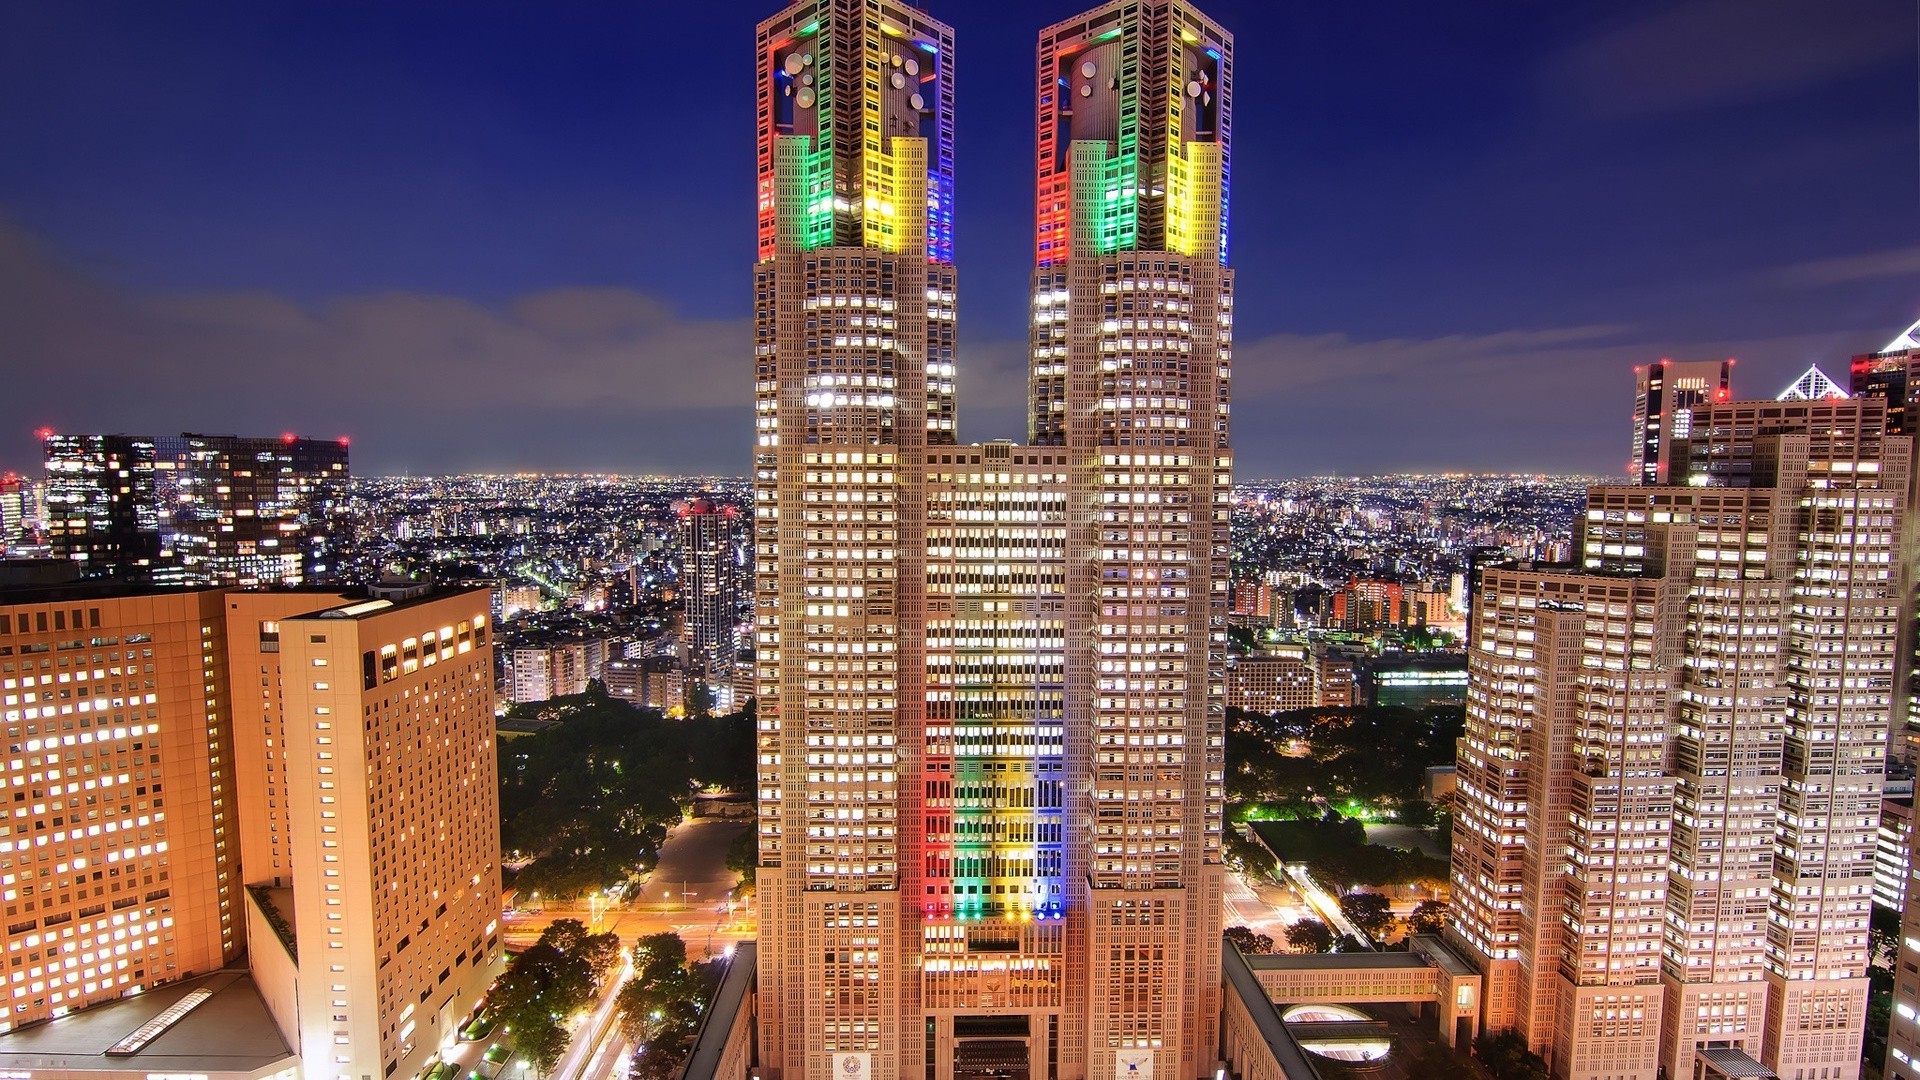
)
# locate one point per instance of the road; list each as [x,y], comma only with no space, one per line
[1325,905]
[587,1047]
[1263,907]
[688,893]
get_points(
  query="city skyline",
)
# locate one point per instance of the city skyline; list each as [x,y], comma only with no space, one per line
[431,223]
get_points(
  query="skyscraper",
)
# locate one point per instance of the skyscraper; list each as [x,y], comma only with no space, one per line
[302,779]
[1669,784]
[853,368]
[194,509]
[101,508]
[710,589]
[1663,395]
[991,676]
[1130,366]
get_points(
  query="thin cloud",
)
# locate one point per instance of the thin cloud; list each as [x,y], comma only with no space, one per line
[613,379]
[1700,54]
[1845,269]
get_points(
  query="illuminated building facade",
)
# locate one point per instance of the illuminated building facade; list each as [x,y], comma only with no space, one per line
[1129,372]
[1670,781]
[1662,395]
[710,588]
[194,509]
[20,500]
[247,511]
[1890,376]
[199,805]
[853,381]
[393,806]
[101,507]
[115,868]
[982,850]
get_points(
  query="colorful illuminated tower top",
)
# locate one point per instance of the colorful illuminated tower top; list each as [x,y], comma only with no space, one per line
[852,75]
[1148,78]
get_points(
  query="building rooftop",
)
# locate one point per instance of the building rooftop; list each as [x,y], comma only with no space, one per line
[1435,949]
[1240,980]
[1359,961]
[703,1062]
[385,601]
[231,1032]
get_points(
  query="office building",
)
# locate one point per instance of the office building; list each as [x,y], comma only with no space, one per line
[20,500]
[711,573]
[853,360]
[1663,393]
[1669,788]
[116,862]
[1274,679]
[102,510]
[279,896]
[981,851]
[194,509]
[1888,376]
[1333,680]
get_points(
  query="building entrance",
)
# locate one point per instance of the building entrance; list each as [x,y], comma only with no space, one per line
[991,1048]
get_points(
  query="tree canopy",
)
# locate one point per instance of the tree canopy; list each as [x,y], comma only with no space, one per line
[590,801]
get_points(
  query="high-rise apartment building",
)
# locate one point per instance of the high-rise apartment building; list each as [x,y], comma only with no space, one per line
[194,509]
[1669,786]
[1663,394]
[710,589]
[298,781]
[991,775]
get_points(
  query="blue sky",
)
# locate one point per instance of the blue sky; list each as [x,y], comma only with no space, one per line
[519,235]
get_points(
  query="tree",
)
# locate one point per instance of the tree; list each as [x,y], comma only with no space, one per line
[657,952]
[1349,943]
[1247,941]
[699,699]
[1369,911]
[601,952]
[1428,917]
[1883,939]
[1417,813]
[1506,1056]
[743,857]
[1437,1062]
[1310,936]
[542,1044]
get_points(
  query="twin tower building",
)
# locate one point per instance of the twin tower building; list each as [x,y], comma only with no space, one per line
[990,676]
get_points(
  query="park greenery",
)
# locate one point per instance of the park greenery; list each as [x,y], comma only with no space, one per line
[587,804]
[547,984]
[1336,852]
[661,1005]
[1294,764]
[1370,911]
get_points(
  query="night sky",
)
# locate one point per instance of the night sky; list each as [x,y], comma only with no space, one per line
[493,235]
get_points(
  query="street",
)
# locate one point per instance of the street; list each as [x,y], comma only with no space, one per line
[688,893]
[588,1050]
[1263,907]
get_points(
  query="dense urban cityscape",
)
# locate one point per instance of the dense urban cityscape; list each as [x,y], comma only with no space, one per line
[906,756]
